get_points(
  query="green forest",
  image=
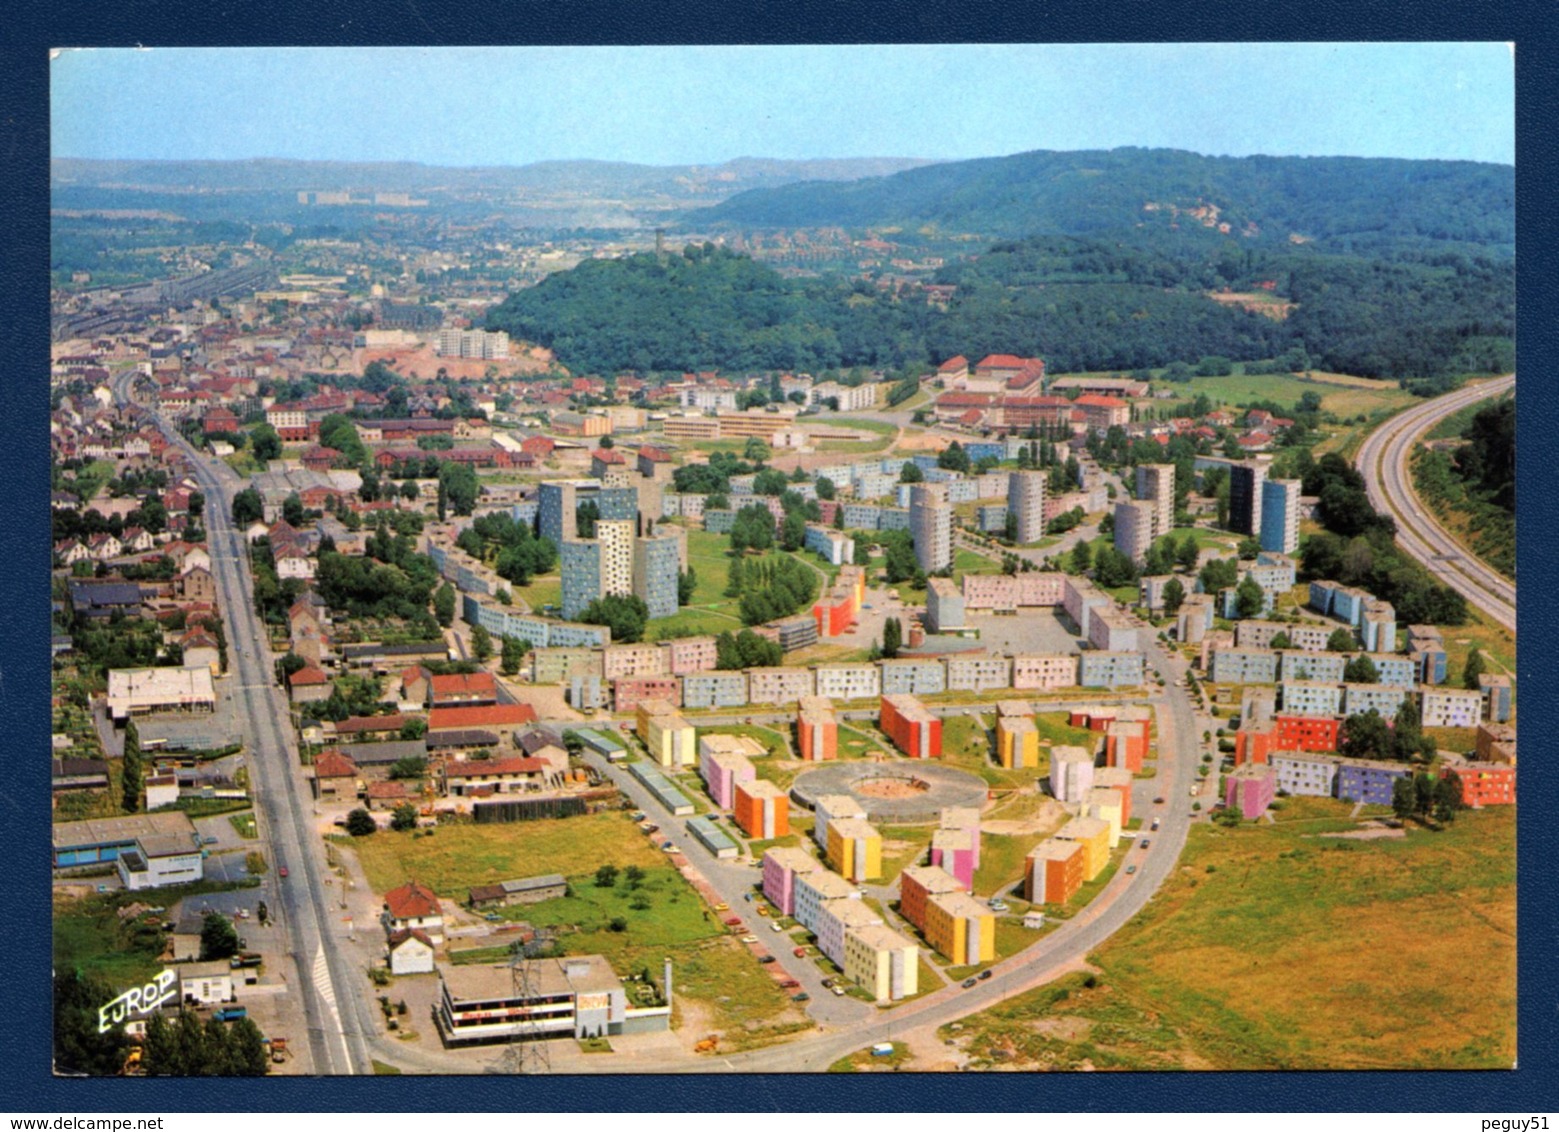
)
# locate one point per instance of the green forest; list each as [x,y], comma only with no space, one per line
[1082,304]
[1474,484]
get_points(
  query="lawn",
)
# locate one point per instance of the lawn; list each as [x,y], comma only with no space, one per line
[722,989]
[460,855]
[968,744]
[1497,642]
[542,592]
[1272,948]
[968,562]
[884,435]
[662,911]
[88,935]
[902,845]
[855,744]
[1003,858]
[243,824]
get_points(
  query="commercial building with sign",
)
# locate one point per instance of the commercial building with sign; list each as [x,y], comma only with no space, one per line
[576,997]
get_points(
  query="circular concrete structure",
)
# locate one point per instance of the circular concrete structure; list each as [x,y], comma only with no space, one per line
[900,791]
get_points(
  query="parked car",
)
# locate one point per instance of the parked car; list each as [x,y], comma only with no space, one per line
[838,990]
[282,871]
[767,959]
[763,909]
[1158,802]
[1145,842]
[800,953]
[733,921]
[722,907]
[1154,826]
[802,997]
[1130,869]
[776,926]
[747,896]
[969,983]
[749,939]
[789,984]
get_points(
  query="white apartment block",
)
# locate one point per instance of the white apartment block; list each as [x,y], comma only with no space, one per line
[620,662]
[1156,487]
[1451,707]
[848,681]
[778,685]
[1026,500]
[616,539]
[1305,698]
[1044,671]
[1134,529]
[1071,773]
[978,673]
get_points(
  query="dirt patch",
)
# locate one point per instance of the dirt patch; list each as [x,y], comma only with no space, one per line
[424,363]
[1048,816]
[1375,834]
[892,787]
[1068,1027]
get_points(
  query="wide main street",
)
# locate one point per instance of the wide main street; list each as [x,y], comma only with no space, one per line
[1383,460]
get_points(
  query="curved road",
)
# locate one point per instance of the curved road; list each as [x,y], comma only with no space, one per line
[1383,460]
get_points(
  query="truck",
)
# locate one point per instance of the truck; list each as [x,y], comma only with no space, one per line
[230,1013]
[882,1049]
[245,959]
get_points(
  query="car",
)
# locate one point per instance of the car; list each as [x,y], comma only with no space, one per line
[967,983]
[789,984]
[838,991]
[722,907]
[733,921]
[802,997]
[776,926]
[667,845]
[1154,826]
[749,939]
[827,983]
[800,953]
[768,959]
[208,840]
[747,896]
[763,909]
[242,914]
[985,974]
[998,905]
[492,917]
[1146,843]
[1193,791]
[1158,802]
[1130,869]
[638,815]
[282,871]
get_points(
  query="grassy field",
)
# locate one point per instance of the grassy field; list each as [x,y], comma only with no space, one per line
[1002,861]
[903,845]
[968,562]
[1272,948]
[731,994]
[458,856]
[1497,642]
[884,434]
[88,935]
[710,611]
[543,591]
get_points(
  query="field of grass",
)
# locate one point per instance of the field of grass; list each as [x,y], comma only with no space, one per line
[88,935]
[854,744]
[732,995]
[243,824]
[1497,642]
[662,911]
[903,845]
[865,1060]
[1272,948]
[882,430]
[1002,860]
[460,855]
[968,562]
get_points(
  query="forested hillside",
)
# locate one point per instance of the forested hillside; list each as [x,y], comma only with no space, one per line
[1343,203]
[1082,304]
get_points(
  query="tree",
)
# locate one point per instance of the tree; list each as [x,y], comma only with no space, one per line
[1361,670]
[825,488]
[1189,553]
[265,443]
[1280,641]
[460,487]
[1472,669]
[482,643]
[412,766]
[892,637]
[634,876]
[793,531]
[513,655]
[78,1046]
[218,937]
[1341,640]
[911,473]
[687,582]
[360,823]
[1220,574]
[1082,557]
[444,604]
[727,656]
[606,876]
[1365,736]
[1402,797]
[292,509]
[753,528]
[414,728]
[626,616]
[1447,796]
[1249,598]
[1174,595]
[130,771]
[404,817]
[248,507]
[954,458]
[755,450]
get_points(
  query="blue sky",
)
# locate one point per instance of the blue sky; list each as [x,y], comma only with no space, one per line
[701,105]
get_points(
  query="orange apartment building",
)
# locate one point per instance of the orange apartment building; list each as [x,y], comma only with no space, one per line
[762,810]
[1285,733]
[917,885]
[817,731]
[914,730]
[1055,871]
[1486,784]
[1126,743]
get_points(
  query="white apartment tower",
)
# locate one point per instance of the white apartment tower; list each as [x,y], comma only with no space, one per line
[1026,500]
[931,526]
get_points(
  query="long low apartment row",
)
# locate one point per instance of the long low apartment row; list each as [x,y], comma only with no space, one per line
[627,678]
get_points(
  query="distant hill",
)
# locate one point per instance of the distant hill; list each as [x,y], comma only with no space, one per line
[603,178]
[1345,203]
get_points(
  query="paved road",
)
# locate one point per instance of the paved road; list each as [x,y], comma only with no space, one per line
[340,1025]
[1383,460]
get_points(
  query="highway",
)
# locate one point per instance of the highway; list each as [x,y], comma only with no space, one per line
[1383,461]
[328,986]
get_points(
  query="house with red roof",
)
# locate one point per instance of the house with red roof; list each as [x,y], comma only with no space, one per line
[1101,412]
[414,907]
[464,689]
[477,778]
[309,685]
[386,795]
[492,717]
[335,775]
[952,406]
